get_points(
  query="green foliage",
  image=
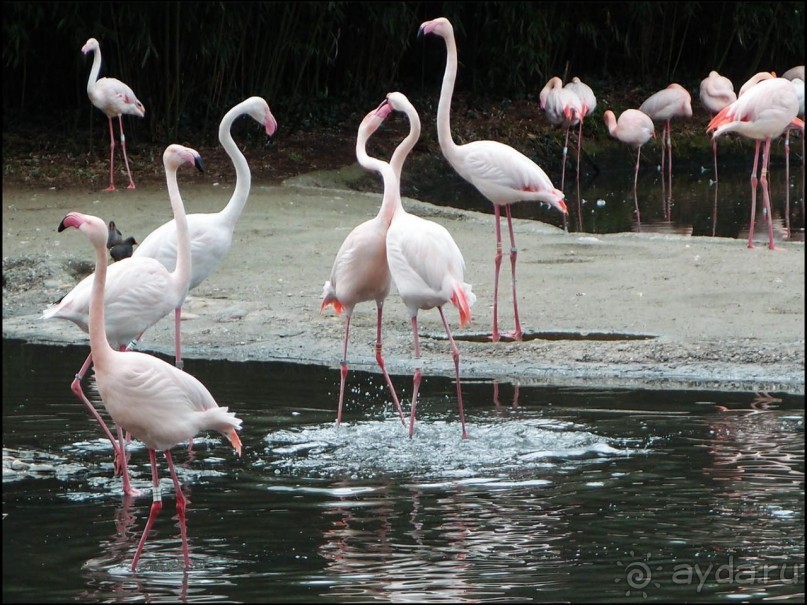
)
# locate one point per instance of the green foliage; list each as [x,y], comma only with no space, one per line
[314,61]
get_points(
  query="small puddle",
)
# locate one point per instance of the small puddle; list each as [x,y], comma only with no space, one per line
[549,335]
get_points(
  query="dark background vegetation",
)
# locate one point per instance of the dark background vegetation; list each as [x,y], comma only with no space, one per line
[322,65]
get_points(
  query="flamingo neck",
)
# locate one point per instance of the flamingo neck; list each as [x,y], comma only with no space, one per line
[392,194]
[183,266]
[243,178]
[99,345]
[96,68]
[444,106]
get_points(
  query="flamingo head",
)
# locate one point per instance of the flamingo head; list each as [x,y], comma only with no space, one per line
[90,46]
[92,226]
[176,155]
[258,110]
[440,26]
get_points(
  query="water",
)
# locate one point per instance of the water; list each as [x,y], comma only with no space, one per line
[560,494]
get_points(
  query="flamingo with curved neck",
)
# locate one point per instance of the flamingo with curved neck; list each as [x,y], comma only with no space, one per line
[154,401]
[424,260]
[499,172]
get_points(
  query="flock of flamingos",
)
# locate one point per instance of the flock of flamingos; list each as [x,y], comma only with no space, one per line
[163,406]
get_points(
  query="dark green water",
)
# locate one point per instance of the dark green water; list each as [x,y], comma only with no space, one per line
[559,494]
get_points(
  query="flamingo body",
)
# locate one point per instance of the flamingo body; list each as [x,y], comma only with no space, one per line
[500,173]
[716,92]
[211,234]
[115,99]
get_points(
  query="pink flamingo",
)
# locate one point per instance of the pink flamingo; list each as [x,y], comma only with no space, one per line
[761,112]
[563,108]
[157,403]
[499,172]
[634,128]
[425,262]
[664,105]
[114,98]
[212,233]
[716,92]
[139,292]
[360,271]
[588,104]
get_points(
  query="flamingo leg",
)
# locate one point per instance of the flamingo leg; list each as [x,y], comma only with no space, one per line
[123,146]
[766,198]
[343,371]
[182,502]
[663,172]
[455,354]
[156,507]
[787,182]
[497,263]
[513,255]
[178,337]
[111,186]
[579,203]
[753,196]
[669,172]
[417,376]
[380,360]
[565,153]
[714,204]
[635,187]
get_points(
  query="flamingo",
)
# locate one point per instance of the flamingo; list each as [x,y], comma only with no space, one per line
[212,233]
[139,292]
[664,105]
[716,92]
[499,172]
[360,271]
[563,108]
[156,402]
[761,112]
[424,260]
[114,98]
[635,129]
[589,104]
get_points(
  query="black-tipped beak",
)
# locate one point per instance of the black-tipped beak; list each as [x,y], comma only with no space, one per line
[62,226]
[197,161]
[420,32]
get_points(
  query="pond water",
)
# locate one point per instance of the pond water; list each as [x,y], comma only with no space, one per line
[560,494]
[696,204]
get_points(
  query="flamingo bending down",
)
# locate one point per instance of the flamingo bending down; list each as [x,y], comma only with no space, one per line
[212,233]
[114,98]
[635,129]
[425,262]
[499,172]
[664,105]
[139,292]
[157,403]
[761,112]
[360,271]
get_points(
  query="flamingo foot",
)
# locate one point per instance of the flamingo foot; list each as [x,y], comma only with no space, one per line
[131,186]
[514,335]
[110,188]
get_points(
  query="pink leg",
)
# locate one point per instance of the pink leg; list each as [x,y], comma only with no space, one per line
[787,182]
[417,376]
[178,336]
[579,203]
[111,158]
[513,255]
[455,354]
[156,507]
[635,186]
[343,367]
[753,197]
[497,263]
[380,359]
[123,461]
[714,204]
[669,173]
[766,198]
[123,146]
[663,171]
[182,501]
[565,153]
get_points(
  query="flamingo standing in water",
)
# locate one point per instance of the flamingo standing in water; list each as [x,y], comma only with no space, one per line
[157,403]
[761,112]
[425,262]
[212,233]
[360,270]
[139,293]
[588,105]
[499,172]
[563,108]
[635,129]
[664,105]
[716,92]
[114,98]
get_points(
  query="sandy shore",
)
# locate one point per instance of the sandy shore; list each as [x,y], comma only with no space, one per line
[645,310]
